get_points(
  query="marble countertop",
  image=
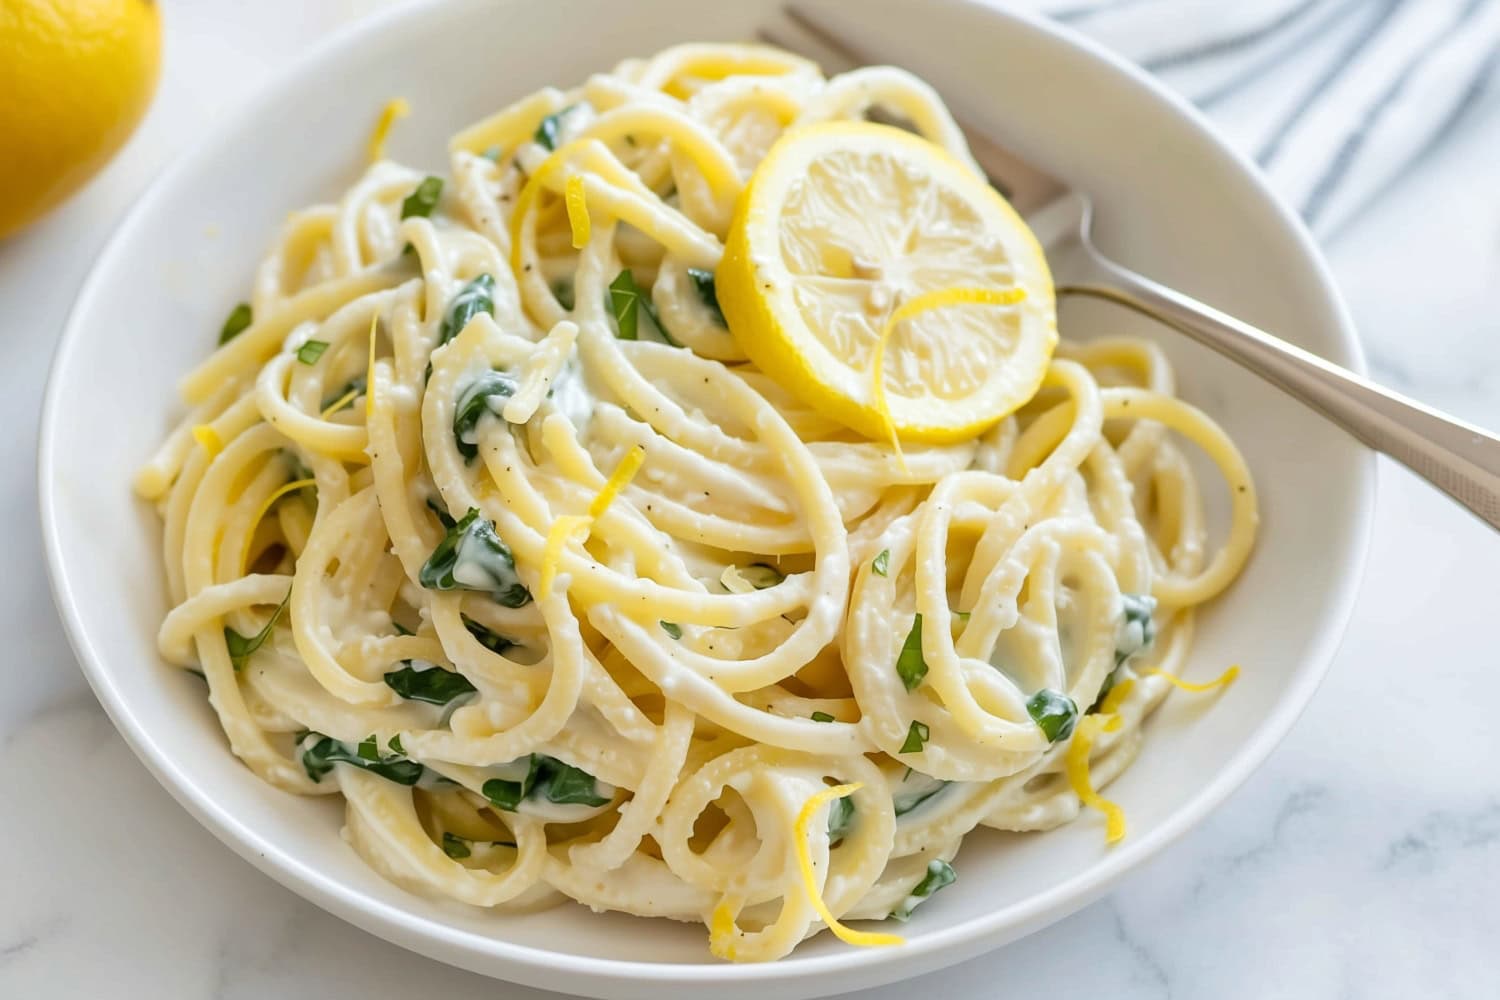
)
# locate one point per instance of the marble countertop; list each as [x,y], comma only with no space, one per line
[1363,860]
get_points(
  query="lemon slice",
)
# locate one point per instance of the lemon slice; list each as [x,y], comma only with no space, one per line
[886,284]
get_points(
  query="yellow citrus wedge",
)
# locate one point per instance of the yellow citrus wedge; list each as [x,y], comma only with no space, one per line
[887,285]
[76,77]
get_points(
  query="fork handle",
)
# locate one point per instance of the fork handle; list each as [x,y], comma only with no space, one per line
[1458,458]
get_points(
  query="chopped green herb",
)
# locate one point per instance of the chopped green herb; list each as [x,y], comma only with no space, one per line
[241,648]
[310,352]
[432,684]
[906,799]
[236,323]
[1110,680]
[299,470]
[395,745]
[486,394]
[672,629]
[346,396]
[840,818]
[916,738]
[822,717]
[761,575]
[493,641]
[423,199]
[550,129]
[472,557]
[548,778]
[1054,712]
[882,563]
[369,748]
[319,756]
[939,875]
[444,518]
[703,281]
[478,296]
[1137,626]
[909,664]
[456,848]
[562,290]
[628,303]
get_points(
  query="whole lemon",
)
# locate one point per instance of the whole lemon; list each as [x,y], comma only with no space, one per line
[75,78]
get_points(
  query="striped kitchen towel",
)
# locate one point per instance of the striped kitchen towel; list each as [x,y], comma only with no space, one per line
[1334,98]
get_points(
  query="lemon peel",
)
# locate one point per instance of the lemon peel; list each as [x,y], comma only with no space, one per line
[865,939]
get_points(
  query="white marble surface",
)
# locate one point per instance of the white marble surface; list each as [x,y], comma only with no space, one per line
[1362,861]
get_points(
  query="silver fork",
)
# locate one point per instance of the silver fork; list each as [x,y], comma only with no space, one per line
[1458,458]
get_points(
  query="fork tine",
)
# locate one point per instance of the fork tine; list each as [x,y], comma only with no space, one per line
[1028,188]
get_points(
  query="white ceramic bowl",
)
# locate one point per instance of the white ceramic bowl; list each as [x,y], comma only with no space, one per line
[1173,201]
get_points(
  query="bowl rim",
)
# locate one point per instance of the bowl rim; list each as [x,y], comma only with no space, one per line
[537,966]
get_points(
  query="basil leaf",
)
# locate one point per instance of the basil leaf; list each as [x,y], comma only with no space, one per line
[423,199]
[703,281]
[456,848]
[311,351]
[672,629]
[840,818]
[939,875]
[319,756]
[395,745]
[822,717]
[345,396]
[761,576]
[1110,680]
[435,686]
[444,518]
[624,301]
[909,664]
[508,794]
[564,784]
[548,778]
[241,648]
[550,129]
[916,737]
[632,310]
[236,323]
[905,801]
[478,296]
[1054,712]
[486,394]
[299,470]
[1137,626]
[472,557]
[493,641]
[562,290]
[882,562]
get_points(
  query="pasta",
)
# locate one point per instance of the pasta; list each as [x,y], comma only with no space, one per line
[480,518]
